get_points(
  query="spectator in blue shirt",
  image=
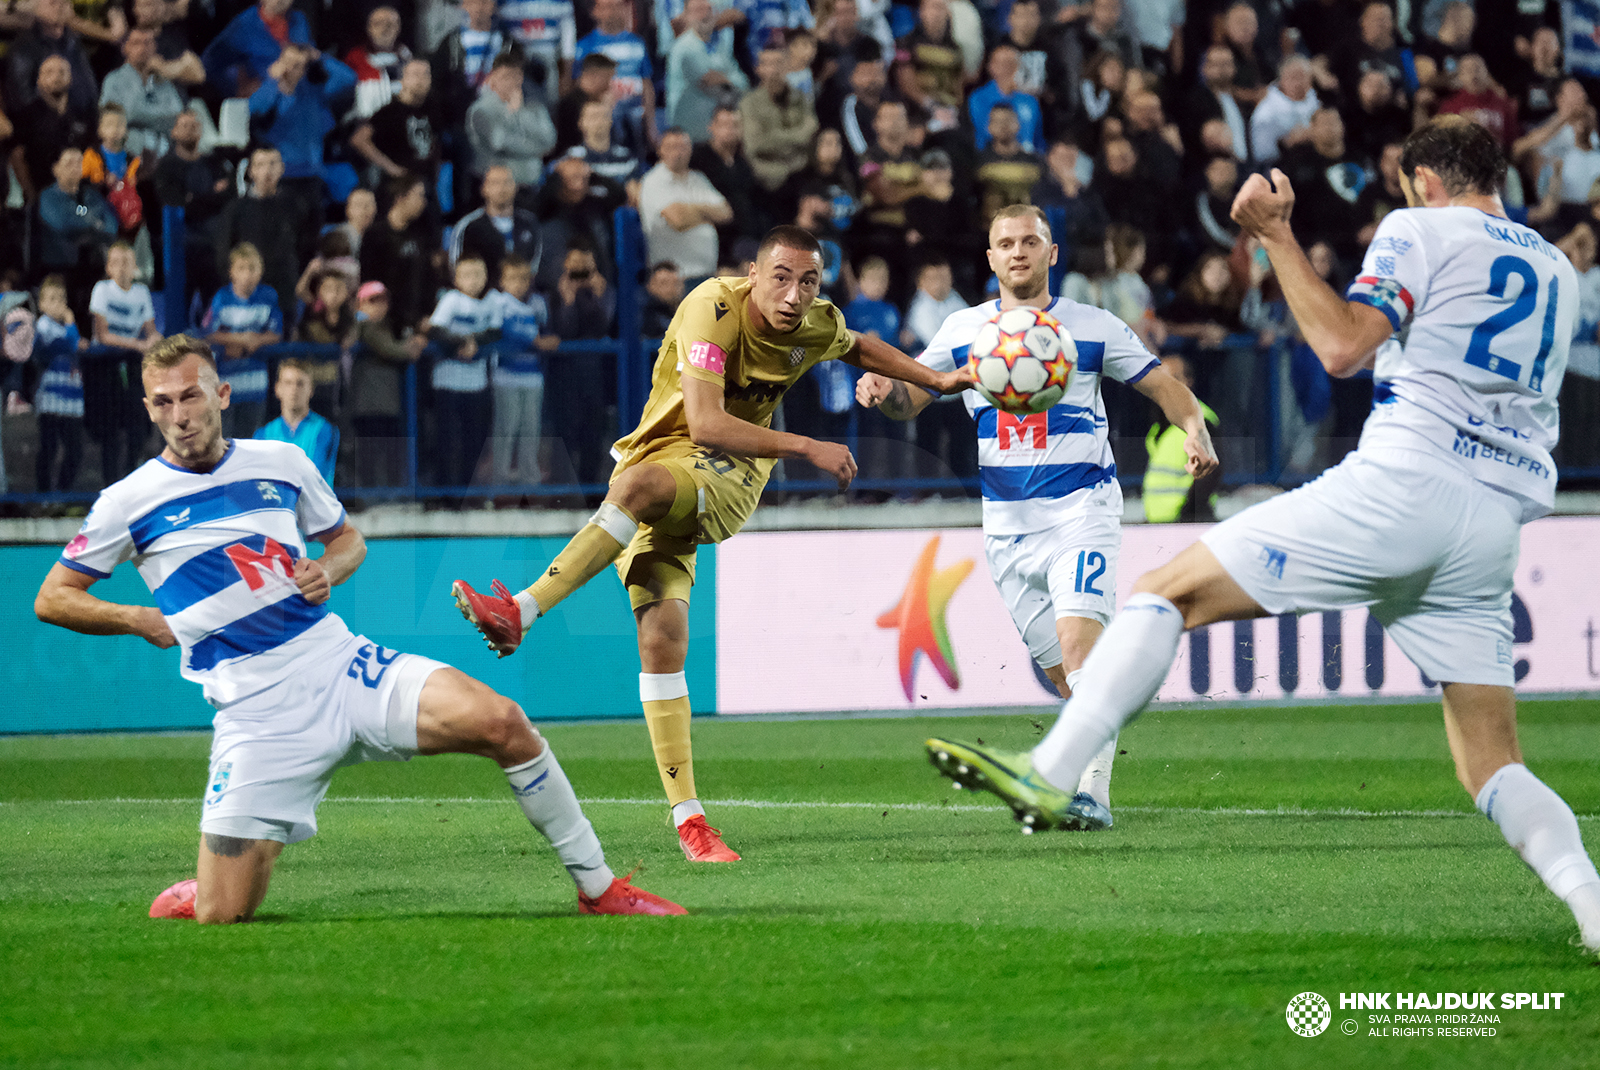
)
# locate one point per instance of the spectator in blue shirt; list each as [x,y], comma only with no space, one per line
[293,111]
[309,430]
[244,316]
[59,399]
[242,55]
[882,441]
[1004,64]
[633,85]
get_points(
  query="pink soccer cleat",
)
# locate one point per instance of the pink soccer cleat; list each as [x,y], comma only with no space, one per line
[623,898]
[702,843]
[176,902]
[497,616]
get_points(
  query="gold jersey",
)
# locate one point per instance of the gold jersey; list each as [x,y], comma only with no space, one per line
[711,339]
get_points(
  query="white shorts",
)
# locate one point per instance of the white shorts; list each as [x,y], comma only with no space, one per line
[1431,550]
[1069,570]
[274,753]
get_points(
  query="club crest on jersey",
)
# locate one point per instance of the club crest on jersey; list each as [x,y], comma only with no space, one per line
[796,355]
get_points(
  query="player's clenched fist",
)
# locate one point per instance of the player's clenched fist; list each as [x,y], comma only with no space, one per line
[312,581]
[873,388]
[834,458]
[1263,207]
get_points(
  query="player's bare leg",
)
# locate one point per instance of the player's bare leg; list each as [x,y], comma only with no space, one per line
[233,875]
[1125,669]
[644,494]
[1481,723]
[664,694]
[459,715]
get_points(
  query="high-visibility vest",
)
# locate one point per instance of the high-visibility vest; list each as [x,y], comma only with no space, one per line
[1166,483]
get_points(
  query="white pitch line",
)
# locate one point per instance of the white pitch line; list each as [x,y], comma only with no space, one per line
[768,804]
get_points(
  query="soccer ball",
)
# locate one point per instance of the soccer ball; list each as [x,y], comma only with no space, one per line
[1022,360]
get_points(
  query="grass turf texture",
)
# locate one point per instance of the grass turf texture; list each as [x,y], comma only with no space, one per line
[427,925]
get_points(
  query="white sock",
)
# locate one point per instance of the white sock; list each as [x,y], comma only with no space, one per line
[546,796]
[685,810]
[530,609]
[1096,780]
[1539,826]
[1121,675]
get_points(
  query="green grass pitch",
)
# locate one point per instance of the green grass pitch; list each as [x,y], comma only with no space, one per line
[880,919]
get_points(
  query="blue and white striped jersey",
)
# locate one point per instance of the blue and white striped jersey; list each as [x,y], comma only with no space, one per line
[60,390]
[517,359]
[217,550]
[463,317]
[1483,310]
[1036,470]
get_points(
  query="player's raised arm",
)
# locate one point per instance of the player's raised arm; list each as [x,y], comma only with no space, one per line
[1343,334]
[873,355]
[64,600]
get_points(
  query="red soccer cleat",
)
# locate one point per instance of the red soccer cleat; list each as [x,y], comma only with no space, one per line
[702,843]
[624,898]
[497,616]
[176,902]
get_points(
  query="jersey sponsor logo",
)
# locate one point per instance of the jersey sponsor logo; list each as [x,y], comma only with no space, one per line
[1397,246]
[756,391]
[1016,431]
[78,545]
[708,356]
[272,565]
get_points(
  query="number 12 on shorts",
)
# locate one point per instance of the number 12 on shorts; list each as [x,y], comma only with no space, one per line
[1089,559]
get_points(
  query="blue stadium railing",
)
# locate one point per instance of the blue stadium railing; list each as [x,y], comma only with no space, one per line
[635,356]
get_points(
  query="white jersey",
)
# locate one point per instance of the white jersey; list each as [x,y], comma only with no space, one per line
[1038,470]
[217,550]
[1483,309]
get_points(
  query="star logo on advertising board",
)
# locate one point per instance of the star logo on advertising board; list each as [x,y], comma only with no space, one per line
[920,617]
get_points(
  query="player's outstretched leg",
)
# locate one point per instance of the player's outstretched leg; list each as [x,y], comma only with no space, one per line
[1480,721]
[664,694]
[457,714]
[644,494]
[1119,678]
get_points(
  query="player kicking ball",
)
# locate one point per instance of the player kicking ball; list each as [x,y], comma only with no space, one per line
[218,529]
[1052,507]
[692,473]
[1422,522]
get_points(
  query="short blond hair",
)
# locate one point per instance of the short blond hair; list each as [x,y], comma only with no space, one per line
[247,252]
[174,349]
[1022,211]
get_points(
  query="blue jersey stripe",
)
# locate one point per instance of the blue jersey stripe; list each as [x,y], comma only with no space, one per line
[260,631]
[206,574]
[213,503]
[1091,356]
[1005,484]
[1063,420]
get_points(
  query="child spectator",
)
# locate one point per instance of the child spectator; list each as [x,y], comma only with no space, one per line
[244,316]
[461,325]
[945,434]
[662,294]
[881,439]
[869,313]
[518,372]
[377,384]
[111,169]
[934,300]
[333,254]
[329,321]
[59,399]
[298,424]
[124,324]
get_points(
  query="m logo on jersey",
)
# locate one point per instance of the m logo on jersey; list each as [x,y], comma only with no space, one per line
[1017,430]
[272,565]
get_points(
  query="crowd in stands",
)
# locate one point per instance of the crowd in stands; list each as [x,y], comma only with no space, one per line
[431,183]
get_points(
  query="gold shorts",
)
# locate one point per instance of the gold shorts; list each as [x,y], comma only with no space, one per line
[658,564]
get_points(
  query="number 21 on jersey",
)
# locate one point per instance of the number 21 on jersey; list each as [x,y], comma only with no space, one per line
[1521,307]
